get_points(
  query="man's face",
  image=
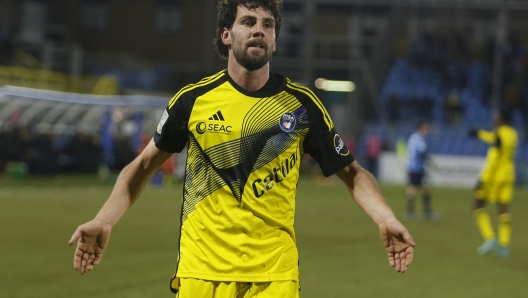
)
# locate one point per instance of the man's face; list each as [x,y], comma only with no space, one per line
[252,38]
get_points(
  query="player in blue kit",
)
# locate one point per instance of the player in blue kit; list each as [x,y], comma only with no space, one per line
[417,162]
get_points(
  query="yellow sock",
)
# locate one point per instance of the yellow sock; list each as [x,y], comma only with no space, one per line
[483,222]
[504,229]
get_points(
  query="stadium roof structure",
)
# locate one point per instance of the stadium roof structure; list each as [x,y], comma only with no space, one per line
[62,112]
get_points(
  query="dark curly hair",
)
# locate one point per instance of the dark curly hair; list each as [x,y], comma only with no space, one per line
[227,11]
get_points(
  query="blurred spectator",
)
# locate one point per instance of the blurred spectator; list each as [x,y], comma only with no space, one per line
[374,144]
[49,154]
[453,110]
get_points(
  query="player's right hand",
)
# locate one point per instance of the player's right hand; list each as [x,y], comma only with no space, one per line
[92,238]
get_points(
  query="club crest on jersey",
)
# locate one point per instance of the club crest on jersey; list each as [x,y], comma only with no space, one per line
[287,122]
[339,146]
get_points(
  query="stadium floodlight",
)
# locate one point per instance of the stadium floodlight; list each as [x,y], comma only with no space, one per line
[335,86]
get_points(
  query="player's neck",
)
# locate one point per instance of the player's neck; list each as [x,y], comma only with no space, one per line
[249,80]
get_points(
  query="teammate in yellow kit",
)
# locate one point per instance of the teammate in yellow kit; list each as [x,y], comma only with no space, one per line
[496,183]
[246,129]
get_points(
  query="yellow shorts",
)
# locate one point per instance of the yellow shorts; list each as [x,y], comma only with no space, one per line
[495,192]
[198,288]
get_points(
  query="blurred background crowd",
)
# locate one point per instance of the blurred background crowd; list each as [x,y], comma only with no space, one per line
[450,62]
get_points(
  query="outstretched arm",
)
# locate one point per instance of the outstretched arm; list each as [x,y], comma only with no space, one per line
[396,239]
[93,236]
[483,135]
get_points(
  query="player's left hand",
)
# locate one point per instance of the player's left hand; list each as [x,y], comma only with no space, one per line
[92,239]
[399,244]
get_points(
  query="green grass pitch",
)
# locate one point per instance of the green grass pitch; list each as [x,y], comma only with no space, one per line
[341,253]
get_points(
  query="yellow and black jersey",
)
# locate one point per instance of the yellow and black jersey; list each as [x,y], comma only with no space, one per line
[244,152]
[500,159]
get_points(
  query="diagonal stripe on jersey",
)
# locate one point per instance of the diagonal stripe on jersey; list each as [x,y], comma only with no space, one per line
[262,141]
[199,170]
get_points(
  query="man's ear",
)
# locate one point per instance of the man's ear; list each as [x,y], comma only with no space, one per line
[226,37]
[274,46]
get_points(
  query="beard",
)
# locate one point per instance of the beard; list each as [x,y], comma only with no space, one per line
[250,60]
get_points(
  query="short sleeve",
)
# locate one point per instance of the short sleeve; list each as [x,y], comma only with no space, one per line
[172,132]
[326,146]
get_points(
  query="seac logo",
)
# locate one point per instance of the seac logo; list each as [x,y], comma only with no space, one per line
[339,146]
[287,122]
[203,127]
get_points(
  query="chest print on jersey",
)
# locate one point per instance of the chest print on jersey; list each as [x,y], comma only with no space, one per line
[215,124]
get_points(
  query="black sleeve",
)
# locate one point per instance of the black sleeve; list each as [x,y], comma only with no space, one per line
[172,133]
[324,144]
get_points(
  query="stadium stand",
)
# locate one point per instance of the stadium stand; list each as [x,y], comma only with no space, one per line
[452,92]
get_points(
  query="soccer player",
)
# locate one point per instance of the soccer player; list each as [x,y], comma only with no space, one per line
[496,183]
[246,130]
[417,161]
